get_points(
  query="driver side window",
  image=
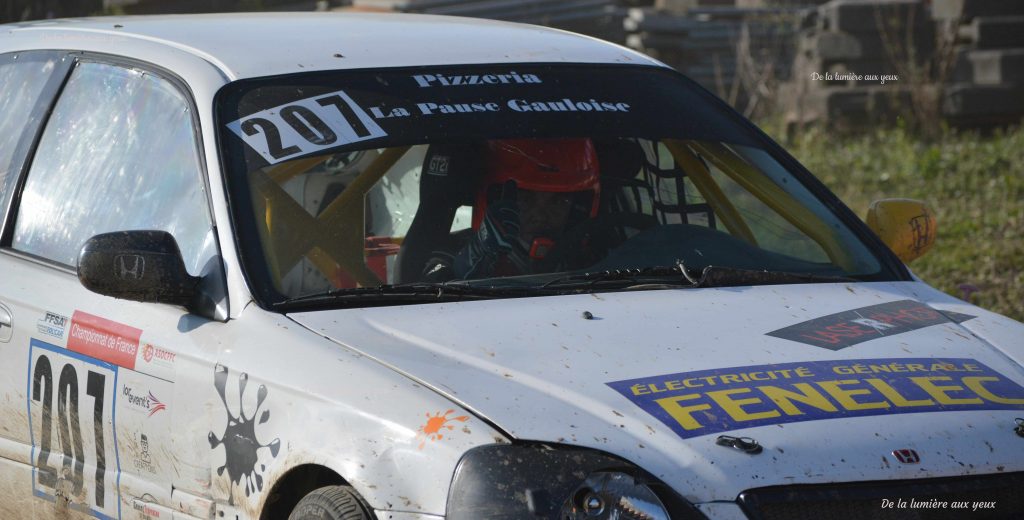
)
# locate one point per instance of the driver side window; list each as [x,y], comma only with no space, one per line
[118,153]
[23,77]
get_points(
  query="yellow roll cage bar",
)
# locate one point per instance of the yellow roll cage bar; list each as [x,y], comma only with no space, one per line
[761,187]
[334,240]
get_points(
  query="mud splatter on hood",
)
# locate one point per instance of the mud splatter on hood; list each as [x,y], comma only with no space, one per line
[540,371]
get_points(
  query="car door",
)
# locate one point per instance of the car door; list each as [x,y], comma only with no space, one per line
[100,394]
[28,84]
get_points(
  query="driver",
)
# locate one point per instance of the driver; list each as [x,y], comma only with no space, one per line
[532,191]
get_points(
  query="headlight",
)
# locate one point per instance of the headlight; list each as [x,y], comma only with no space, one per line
[613,495]
[527,481]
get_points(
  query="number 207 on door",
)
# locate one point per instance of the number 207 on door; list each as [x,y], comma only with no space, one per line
[71,401]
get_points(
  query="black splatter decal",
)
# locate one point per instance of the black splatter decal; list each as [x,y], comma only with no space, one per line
[240,445]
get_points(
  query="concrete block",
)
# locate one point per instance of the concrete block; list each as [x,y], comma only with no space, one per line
[994,32]
[860,104]
[1005,102]
[864,15]
[921,45]
[1000,66]
[963,70]
[848,101]
[967,10]
[831,46]
[675,6]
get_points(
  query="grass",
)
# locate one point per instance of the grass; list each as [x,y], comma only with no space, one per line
[974,183]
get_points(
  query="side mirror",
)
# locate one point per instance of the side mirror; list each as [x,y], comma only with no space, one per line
[144,266]
[907,226]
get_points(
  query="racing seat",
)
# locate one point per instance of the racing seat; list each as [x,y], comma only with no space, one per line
[447,181]
[623,189]
[621,161]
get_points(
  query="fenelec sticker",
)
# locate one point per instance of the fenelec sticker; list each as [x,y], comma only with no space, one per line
[720,400]
[848,328]
[306,126]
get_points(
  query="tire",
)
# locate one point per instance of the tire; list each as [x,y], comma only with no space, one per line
[332,503]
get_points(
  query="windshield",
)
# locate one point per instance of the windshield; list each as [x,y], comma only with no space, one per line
[508,175]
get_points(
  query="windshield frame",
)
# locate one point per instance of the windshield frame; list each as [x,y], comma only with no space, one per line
[254,266]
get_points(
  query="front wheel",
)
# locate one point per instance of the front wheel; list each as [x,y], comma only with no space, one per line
[332,503]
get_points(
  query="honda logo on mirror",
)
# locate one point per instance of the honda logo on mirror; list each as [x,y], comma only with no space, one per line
[129,267]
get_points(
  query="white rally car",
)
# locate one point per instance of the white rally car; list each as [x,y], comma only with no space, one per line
[398,267]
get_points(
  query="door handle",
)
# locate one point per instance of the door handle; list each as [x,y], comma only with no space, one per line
[6,324]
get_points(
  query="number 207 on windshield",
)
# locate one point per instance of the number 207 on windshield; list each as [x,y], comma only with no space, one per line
[306,126]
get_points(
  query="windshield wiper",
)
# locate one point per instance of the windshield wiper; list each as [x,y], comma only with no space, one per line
[680,276]
[715,276]
[659,277]
[410,293]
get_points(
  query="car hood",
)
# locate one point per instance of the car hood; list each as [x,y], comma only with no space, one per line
[830,379]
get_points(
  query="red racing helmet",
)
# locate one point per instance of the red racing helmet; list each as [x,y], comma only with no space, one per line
[541,165]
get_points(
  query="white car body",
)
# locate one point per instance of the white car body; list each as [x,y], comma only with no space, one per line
[389,399]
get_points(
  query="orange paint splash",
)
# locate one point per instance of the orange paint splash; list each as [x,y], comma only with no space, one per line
[433,430]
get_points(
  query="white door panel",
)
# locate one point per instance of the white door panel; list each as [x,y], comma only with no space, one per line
[96,395]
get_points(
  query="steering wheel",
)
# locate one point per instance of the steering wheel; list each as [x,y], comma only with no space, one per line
[592,239]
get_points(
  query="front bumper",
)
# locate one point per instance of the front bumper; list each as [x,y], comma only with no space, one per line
[981,496]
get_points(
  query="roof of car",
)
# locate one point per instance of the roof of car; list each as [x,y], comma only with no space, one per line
[265,44]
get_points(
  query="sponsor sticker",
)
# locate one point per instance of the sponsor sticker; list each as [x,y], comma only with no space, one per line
[142,402]
[720,400]
[455,80]
[52,324]
[144,461]
[104,339]
[154,354]
[427,108]
[306,126]
[848,328]
[145,509]
[439,165]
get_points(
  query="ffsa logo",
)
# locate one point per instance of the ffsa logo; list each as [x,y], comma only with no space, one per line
[52,324]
